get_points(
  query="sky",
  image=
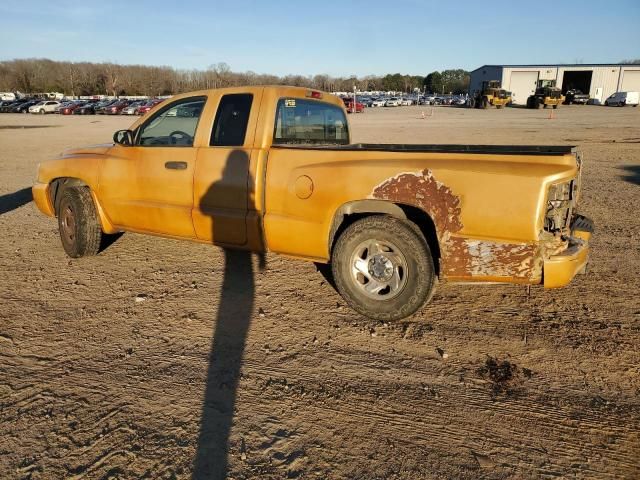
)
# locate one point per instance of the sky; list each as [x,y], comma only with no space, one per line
[339,38]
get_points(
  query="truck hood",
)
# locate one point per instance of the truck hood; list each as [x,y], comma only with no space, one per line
[101,149]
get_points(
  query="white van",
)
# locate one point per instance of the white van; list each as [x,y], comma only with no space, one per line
[620,99]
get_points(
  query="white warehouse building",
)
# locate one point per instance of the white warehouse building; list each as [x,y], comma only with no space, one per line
[598,80]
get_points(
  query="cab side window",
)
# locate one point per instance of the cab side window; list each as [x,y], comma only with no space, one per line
[174,125]
[230,126]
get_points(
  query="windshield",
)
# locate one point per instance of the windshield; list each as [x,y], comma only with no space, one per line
[309,122]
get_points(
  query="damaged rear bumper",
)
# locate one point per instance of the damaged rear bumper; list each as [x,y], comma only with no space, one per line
[560,269]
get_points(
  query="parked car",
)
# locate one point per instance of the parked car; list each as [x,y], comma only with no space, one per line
[378,102]
[100,109]
[24,107]
[86,109]
[575,96]
[406,102]
[132,108]
[46,106]
[7,105]
[71,107]
[392,102]
[620,99]
[348,105]
[389,219]
[117,107]
[149,105]
[62,104]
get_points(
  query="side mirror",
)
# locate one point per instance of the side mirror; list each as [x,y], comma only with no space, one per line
[123,137]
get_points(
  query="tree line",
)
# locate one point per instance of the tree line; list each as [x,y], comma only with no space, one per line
[37,75]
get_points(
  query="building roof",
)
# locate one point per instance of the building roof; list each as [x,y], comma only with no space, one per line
[547,65]
[554,65]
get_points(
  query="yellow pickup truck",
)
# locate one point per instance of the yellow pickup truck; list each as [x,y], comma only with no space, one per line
[272,169]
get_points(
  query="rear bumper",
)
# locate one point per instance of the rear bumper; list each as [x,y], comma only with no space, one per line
[560,269]
[42,200]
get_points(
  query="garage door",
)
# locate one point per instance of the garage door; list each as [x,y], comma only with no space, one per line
[522,85]
[630,81]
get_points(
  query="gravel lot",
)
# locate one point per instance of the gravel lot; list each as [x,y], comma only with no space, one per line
[106,370]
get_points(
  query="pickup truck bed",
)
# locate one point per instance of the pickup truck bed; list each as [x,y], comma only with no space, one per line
[445,148]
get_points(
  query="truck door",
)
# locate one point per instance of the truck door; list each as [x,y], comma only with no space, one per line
[222,181]
[148,186]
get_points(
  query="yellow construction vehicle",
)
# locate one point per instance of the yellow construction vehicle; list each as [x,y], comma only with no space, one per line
[546,94]
[491,94]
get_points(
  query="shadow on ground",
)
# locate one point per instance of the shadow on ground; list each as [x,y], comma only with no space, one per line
[14,200]
[632,174]
[230,330]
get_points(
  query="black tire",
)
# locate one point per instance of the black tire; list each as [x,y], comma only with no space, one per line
[78,224]
[416,273]
[485,103]
[555,106]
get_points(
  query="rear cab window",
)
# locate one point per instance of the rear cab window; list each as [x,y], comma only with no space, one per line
[232,117]
[301,121]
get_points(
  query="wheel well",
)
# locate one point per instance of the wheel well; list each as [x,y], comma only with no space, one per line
[350,213]
[425,223]
[58,185]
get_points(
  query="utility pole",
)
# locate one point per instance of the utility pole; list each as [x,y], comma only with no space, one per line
[354,107]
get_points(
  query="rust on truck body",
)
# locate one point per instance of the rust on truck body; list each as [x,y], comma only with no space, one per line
[462,258]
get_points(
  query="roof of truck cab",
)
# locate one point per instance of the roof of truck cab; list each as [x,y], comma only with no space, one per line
[280,91]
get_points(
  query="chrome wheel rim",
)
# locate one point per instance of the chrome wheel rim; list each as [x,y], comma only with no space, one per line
[378,269]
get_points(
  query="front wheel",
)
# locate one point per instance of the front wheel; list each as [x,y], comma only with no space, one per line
[78,223]
[42,111]
[383,267]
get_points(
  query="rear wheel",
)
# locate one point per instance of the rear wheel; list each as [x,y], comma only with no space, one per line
[555,106]
[80,230]
[383,267]
[485,103]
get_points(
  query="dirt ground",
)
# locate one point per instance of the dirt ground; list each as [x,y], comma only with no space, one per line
[107,369]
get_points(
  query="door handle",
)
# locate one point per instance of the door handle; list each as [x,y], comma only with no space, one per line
[176,165]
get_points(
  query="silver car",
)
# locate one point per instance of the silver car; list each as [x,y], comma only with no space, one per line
[132,109]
